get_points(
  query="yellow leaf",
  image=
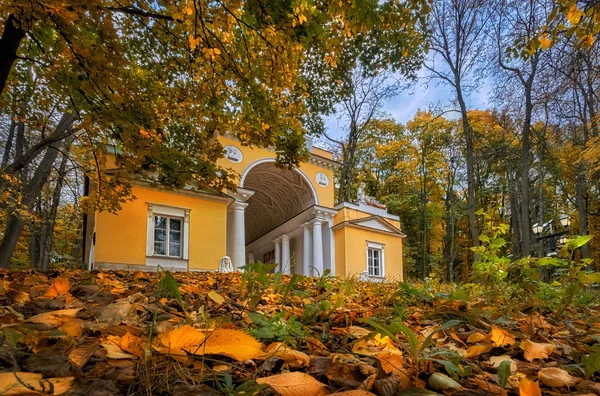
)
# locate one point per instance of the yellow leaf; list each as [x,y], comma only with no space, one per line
[555,377]
[177,341]
[54,318]
[529,388]
[217,51]
[574,15]
[545,41]
[501,337]
[19,383]
[216,297]
[535,350]
[231,343]
[293,384]
[59,287]
[476,337]
[73,328]
[476,350]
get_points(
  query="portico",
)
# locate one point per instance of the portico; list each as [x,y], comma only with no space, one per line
[275,218]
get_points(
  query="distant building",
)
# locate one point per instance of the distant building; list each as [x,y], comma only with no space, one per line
[276,215]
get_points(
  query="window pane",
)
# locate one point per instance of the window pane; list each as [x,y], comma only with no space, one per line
[160,248]
[160,235]
[175,224]
[160,222]
[174,236]
[174,249]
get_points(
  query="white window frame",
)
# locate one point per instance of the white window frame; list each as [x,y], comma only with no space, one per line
[169,212]
[381,248]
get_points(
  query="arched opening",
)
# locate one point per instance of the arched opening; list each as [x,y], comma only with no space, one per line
[279,196]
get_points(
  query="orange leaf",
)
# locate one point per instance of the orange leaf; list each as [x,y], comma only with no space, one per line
[501,337]
[59,287]
[177,341]
[293,384]
[529,388]
[535,350]
[476,350]
[54,318]
[231,343]
[555,377]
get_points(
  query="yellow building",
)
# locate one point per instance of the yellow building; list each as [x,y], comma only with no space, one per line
[275,216]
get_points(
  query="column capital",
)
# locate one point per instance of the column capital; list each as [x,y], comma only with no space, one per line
[277,240]
[285,237]
[238,205]
[318,220]
[306,225]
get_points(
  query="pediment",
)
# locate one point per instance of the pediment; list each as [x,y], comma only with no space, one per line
[376,223]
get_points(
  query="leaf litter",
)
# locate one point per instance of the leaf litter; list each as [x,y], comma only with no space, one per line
[75,332]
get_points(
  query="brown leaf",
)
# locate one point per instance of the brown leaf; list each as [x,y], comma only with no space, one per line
[83,353]
[32,384]
[59,287]
[529,388]
[357,392]
[555,377]
[495,361]
[315,345]
[534,350]
[54,318]
[294,384]
[294,359]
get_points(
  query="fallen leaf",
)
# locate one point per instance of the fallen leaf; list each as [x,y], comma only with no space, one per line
[534,350]
[73,328]
[439,381]
[476,350]
[496,360]
[557,378]
[54,318]
[501,337]
[231,343]
[216,297]
[82,353]
[19,383]
[315,345]
[476,337]
[180,340]
[113,350]
[529,388]
[59,287]
[294,384]
[294,359]
[373,346]
[357,392]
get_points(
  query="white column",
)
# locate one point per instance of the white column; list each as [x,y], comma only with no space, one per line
[251,257]
[307,251]
[238,248]
[317,246]
[285,255]
[278,251]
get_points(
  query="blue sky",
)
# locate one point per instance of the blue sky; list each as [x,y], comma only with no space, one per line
[418,97]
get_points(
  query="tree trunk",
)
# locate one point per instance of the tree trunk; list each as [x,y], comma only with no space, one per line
[541,200]
[525,160]
[14,224]
[62,131]
[9,143]
[581,207]
[47,236]
[468,136]
[9,45]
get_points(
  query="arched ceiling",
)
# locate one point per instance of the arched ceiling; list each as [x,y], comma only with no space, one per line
[280,194]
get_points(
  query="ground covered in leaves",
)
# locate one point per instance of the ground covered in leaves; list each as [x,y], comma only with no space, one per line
[105,333]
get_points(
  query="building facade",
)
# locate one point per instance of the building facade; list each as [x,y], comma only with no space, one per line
[281,216]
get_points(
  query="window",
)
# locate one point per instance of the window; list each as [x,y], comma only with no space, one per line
[375,260]
[167,236]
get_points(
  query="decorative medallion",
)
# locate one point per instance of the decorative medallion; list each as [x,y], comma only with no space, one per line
[233,154]
[322,179]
